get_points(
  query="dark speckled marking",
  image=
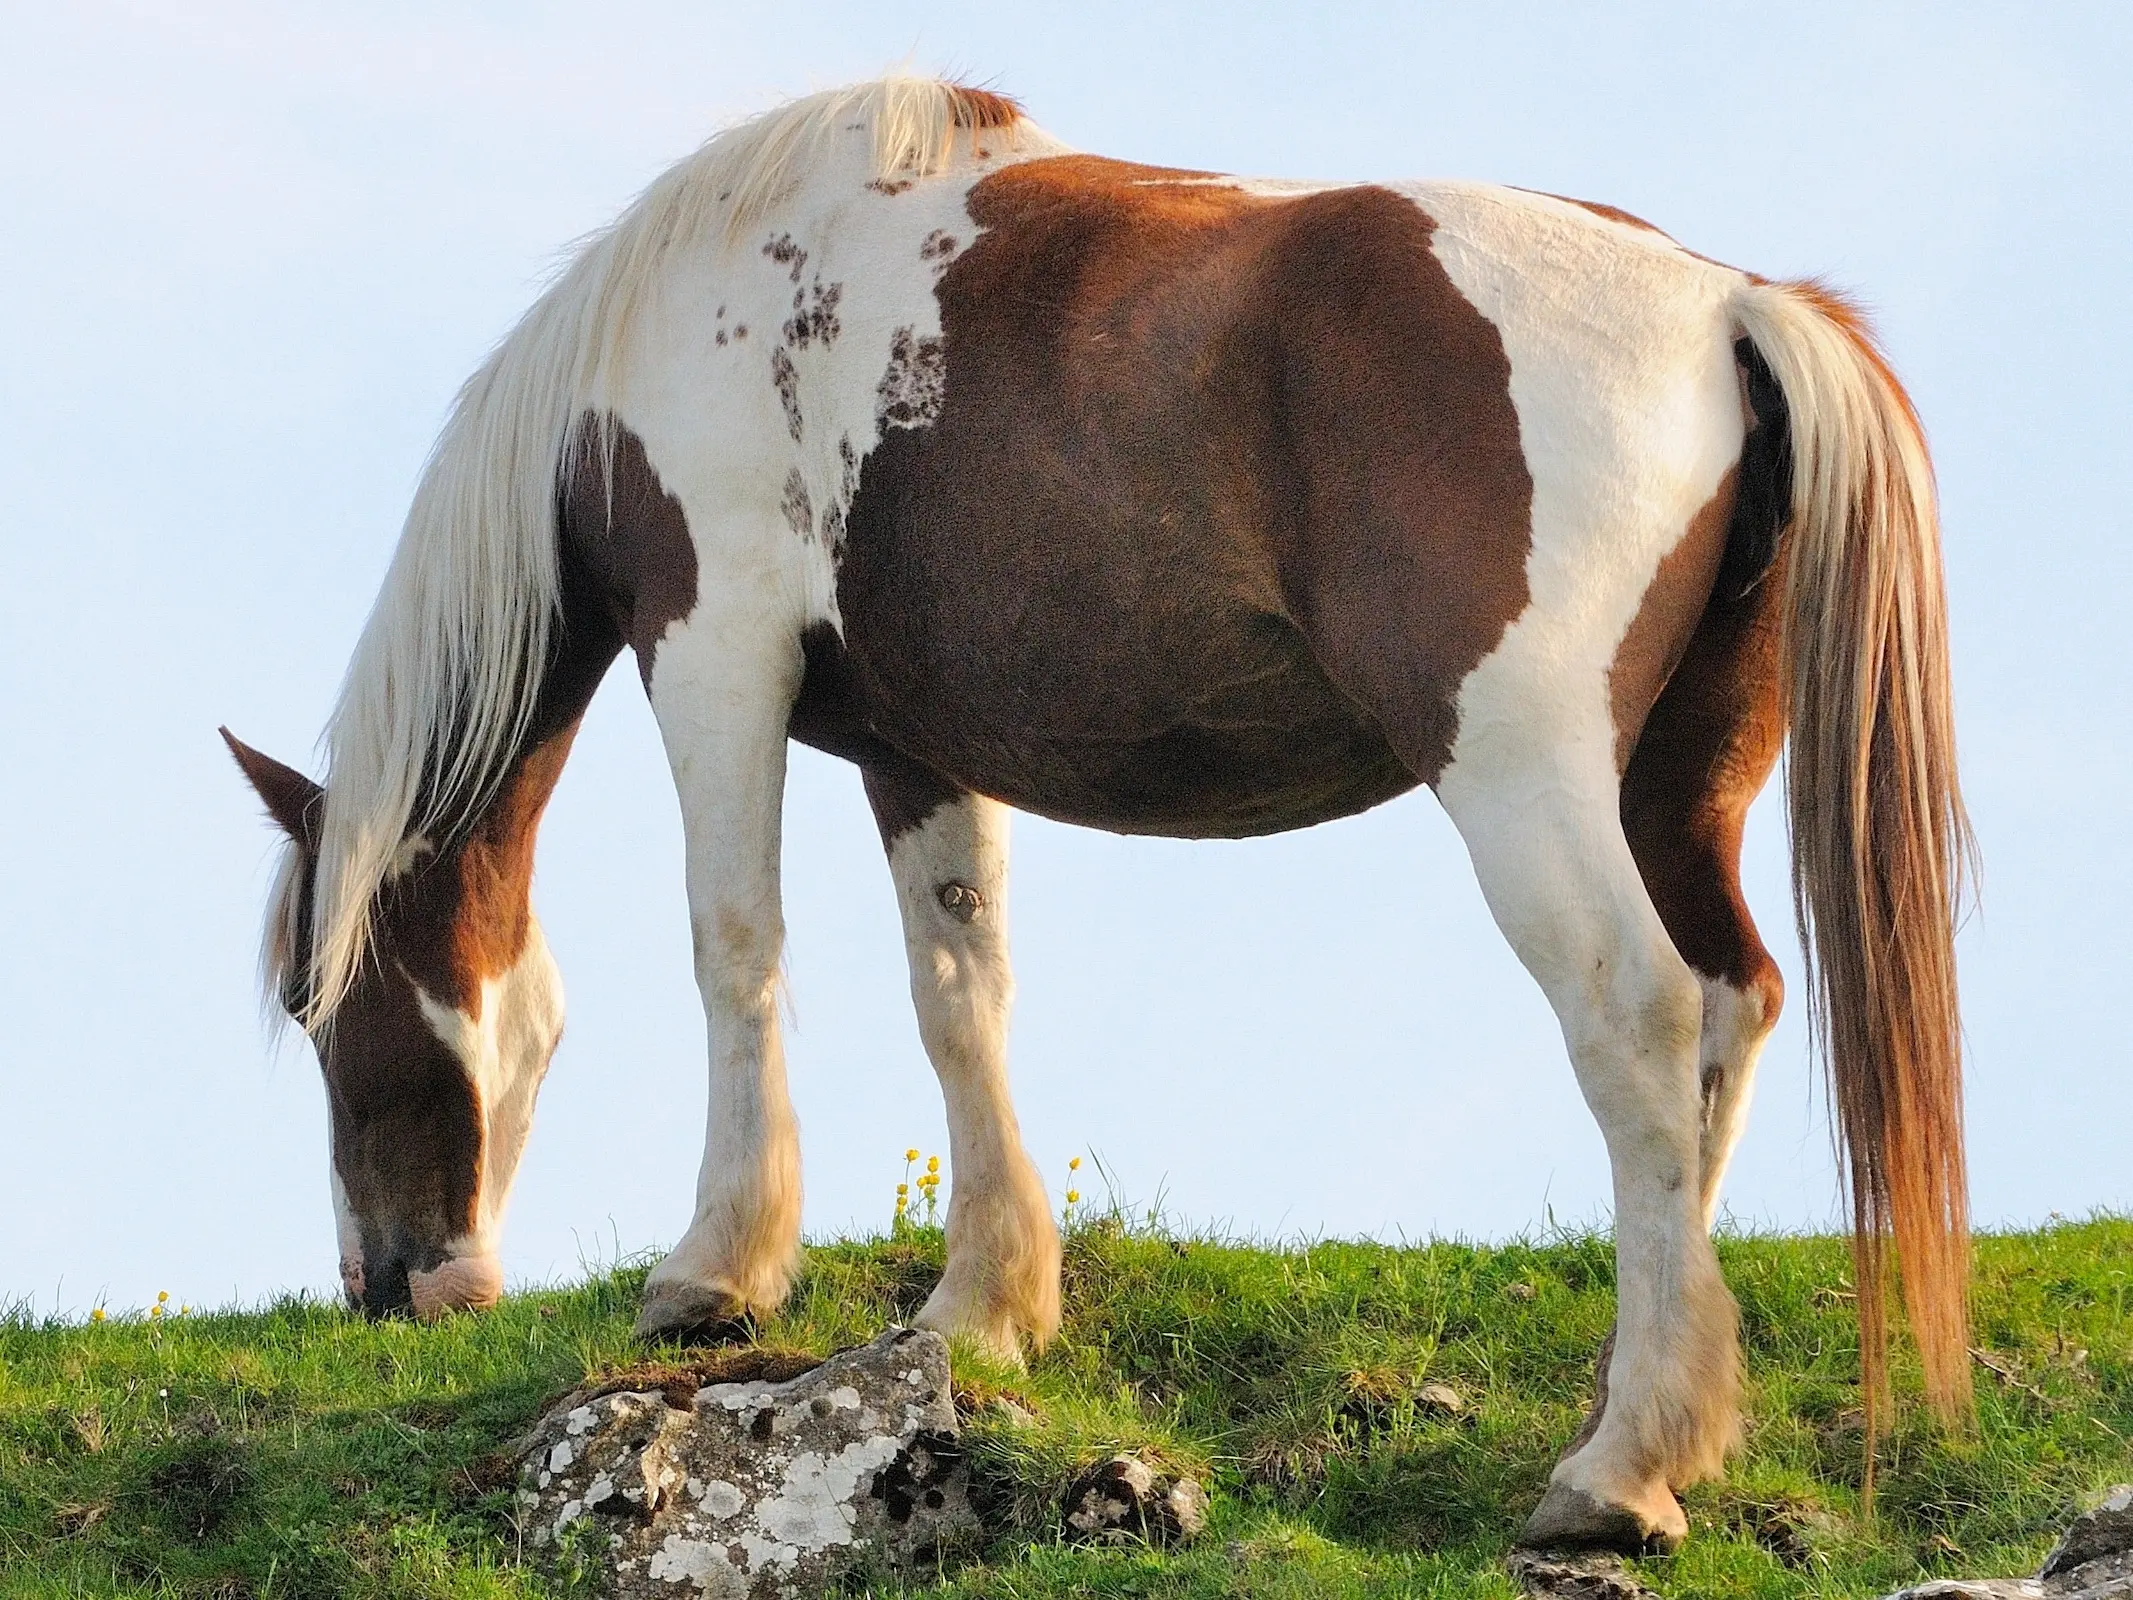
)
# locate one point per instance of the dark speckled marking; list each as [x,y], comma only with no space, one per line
[787,378]
[814,315]
[909,395]
[798,507]
[785,253]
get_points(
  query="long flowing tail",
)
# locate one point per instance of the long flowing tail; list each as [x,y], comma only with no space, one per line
[1881,846]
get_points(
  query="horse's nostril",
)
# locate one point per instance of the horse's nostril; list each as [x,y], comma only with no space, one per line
[385,1289]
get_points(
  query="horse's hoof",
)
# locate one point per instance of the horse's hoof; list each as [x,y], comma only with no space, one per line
[681,1313]
[1571,1519]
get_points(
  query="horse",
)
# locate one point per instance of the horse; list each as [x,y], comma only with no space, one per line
[1164,502]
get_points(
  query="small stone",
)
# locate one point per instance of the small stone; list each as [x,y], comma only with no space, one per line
[1573,1577]
[1440,1399]
[1519,1291]
[1125,1501]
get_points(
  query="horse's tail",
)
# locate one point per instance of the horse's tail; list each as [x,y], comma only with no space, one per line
[1880,844]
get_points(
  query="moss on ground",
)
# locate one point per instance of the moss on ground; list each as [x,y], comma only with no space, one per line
[297,1451]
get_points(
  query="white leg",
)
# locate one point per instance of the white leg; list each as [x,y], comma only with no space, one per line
[722,686]
[950,869]
[1547,844]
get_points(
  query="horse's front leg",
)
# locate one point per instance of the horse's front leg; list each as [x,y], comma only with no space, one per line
[722,684]
[948,856]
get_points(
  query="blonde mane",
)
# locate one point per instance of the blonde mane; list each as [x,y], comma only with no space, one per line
[444,679]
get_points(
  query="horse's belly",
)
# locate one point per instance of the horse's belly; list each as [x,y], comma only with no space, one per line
[1220,731]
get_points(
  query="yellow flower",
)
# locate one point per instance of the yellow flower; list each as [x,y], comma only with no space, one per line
[902,1189]
[1073,1197]
[933,1163]
[97,1315]
[1074,1165]
[155,1310]
[185,1311]
[910,1155]
[162,1297]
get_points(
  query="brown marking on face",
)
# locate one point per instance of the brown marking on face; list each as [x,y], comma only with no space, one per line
[1673,602]
[631,539]
[1172,550]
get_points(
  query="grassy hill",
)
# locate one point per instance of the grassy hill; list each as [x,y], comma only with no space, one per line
[298,1451]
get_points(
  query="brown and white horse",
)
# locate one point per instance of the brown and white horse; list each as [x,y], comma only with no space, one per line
[1163,502]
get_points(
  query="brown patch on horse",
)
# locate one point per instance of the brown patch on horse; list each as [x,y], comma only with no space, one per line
[1171,553]
[903,797]
[630,539]
[1705,752]
[1667,616]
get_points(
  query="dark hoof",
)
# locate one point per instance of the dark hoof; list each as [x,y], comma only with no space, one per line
[1571,1519]
[681,1313]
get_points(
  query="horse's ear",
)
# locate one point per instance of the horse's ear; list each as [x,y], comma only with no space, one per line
[292,799]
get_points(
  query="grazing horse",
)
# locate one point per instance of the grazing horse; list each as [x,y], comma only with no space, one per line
[1174,503]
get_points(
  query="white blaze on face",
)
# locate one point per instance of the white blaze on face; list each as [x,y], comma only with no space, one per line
[349,1236]
[505,1053]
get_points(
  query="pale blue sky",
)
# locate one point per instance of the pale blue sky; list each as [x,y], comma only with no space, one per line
[248,252]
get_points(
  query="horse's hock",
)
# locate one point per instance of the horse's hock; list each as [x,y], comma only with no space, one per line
[754,1489]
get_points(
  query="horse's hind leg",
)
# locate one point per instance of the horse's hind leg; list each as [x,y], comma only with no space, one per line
[1536,802]
[948,855]
[1706,750]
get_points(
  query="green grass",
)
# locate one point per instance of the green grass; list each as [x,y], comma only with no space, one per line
[299,1451]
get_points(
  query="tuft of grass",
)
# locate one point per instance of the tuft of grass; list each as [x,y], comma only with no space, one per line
[295,1450]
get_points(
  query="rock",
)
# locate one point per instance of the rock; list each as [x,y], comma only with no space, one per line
[2096,1549]
[1439,1399]
[756,1488]
[2093,1560]
[1573,1577]
[1125,1501]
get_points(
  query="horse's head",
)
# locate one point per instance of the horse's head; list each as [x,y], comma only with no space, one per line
[433,1055]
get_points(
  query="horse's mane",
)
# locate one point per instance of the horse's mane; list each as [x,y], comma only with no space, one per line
[443,681]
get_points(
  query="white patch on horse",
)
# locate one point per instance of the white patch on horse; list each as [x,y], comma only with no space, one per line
[348,1235]
[505,1052]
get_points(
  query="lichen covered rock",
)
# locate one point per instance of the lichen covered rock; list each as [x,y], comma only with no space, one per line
[1125,1501]
[756,1489]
